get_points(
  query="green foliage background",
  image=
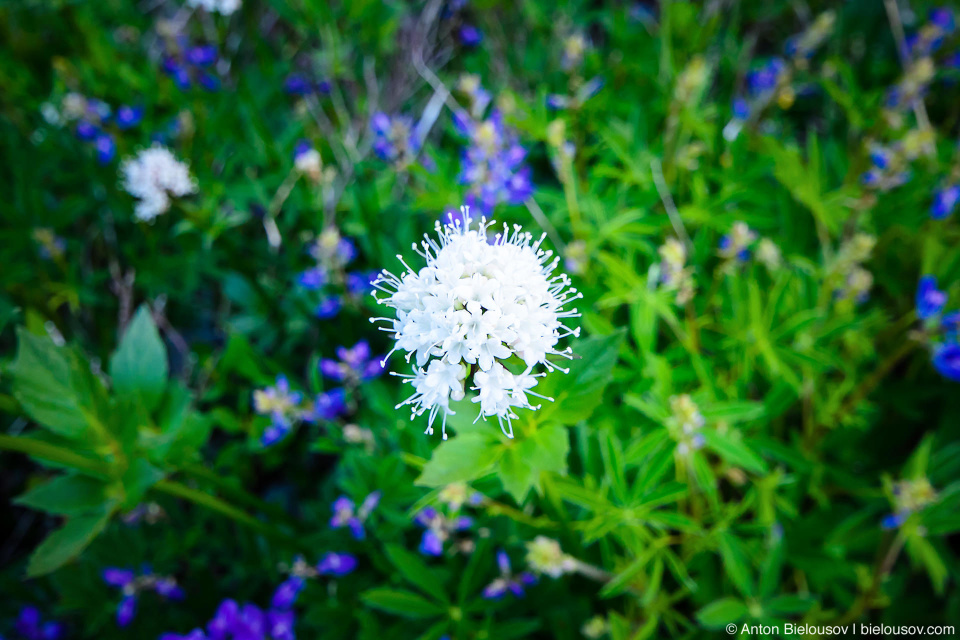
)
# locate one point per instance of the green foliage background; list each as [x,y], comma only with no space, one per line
[814,406]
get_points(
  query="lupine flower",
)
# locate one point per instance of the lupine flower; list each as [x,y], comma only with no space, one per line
[132,585]
[312,279]
[332,251]
[470,36]
[930,300]
[909,497]
[360,283]
[299,85]
[492,164]
[328,308]
[355,365]
[307,160]
[674,274]
[544,555]
[129,117]
[51,246]
[185,62]
[395,138]
[286,594]
[507,581]
[687,422]
[479,98]
[439,528]
[337,564]
[574,48]
[737,243]
[802,47]
[946,360]
[345,515]
[945,201]
[327,406]
[152,177]
[478,303]
[456,494]
[30,626]
[106,148]
[149,512]
[223,7]
[768,254]
[283,407]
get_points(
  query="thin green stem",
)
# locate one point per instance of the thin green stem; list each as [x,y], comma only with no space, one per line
[54,453]
[178,490]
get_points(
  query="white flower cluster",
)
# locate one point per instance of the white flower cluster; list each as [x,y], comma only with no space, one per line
[224,7]
[480,300]
[153,176]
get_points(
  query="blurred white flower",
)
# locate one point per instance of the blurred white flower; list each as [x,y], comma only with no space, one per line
[479,301]
[224,7]
[544,555]
[153,176]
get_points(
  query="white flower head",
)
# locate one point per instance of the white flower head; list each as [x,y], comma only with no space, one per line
[223,7]
[481,299]
[153,176]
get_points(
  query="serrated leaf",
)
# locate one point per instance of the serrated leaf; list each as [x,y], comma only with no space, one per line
[43,384]
[401,603]
[139,365]
[67,494]
[577,393]
[459,459]
[66,543]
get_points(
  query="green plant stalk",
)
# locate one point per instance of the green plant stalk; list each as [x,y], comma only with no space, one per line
[179,490]
[238,494]
[54,453]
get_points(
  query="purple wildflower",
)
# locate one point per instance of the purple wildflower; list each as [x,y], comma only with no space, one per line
[337,564]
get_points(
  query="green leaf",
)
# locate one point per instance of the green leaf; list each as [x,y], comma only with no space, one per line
[66,543]
[416,572]
[733,451]
[66,495]
[721,612]
[401,603]
[43,384]
[459,459]
[788,605]
[735,563]
[577,393]
[138,478]
[139,365]
[517,476]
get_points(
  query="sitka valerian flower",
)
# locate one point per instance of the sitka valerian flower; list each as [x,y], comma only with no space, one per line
[345,513]
[507,581]
[224,7]
[132,585]
[307,160]
[153,176]
[479,301]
